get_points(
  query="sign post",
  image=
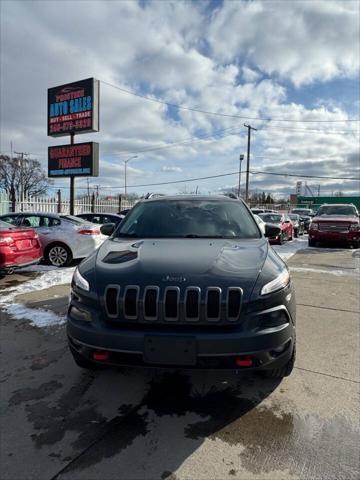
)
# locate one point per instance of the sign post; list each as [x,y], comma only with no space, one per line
[73,108]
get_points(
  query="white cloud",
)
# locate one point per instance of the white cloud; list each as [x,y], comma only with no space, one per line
[167,168]
[182,53]
[302,41]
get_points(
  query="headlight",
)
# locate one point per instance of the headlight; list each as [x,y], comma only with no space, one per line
[314,226]
[277,284]
[80,281]
[354,227]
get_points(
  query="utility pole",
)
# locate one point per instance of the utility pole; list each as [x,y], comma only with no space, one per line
[249,127]
[126,162]
[241,158]
[72,182]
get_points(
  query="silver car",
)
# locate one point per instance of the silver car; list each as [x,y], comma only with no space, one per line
[63,237]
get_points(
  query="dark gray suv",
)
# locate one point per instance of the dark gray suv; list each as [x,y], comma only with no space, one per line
[184,282]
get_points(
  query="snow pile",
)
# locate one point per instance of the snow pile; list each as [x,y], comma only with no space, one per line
[38,317]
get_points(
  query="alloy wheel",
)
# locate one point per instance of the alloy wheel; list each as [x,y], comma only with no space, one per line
[58,256]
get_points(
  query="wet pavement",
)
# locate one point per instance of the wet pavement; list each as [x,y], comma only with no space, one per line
[60,422]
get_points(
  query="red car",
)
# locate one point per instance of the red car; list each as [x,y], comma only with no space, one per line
[18,247]
[335,223]
[281,221]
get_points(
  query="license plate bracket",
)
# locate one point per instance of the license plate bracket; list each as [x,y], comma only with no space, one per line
[165,350]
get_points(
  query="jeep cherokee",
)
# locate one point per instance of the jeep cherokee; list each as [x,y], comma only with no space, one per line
[184,282]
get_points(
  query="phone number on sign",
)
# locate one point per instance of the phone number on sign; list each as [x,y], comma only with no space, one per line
[68,126]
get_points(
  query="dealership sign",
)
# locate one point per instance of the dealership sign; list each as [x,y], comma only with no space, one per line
[73,108]
[78,159]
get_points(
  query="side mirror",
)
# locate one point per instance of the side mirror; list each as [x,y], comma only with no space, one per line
[107,229]
[272,230]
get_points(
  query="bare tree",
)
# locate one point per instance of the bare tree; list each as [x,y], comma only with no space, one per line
[21,177]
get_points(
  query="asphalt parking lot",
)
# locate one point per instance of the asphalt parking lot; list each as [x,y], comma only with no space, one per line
[60,422]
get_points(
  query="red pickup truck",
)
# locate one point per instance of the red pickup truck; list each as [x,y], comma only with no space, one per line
[335,223]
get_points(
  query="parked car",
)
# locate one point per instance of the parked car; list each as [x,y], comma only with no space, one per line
[124,212]
[337,224]
[188,282]
[309,212]
[284,223]
[101,218]
[19,247]
[260,222]
[256,211]
[298,224]
[63,237]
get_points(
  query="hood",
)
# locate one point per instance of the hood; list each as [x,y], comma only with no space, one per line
[336,218]
[181,262]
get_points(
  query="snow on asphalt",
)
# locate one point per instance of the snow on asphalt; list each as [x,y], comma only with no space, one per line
[38,317]
[51,276]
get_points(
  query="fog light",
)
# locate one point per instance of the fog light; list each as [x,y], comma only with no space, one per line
[279,349]
[79,314]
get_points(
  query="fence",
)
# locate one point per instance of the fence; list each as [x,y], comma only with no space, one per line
[58,204]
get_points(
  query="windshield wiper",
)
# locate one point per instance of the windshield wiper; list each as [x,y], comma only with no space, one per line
[193,235]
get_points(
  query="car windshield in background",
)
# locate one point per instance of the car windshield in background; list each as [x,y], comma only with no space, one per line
[302,211]
[293,216]
[270,218]
[77,220]
[189,219]
[336,210]
[5,225]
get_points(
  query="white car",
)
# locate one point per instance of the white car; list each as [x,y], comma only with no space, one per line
[260,222]
[62,237]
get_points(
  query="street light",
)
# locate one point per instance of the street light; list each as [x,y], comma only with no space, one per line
[126,162]
[241,158]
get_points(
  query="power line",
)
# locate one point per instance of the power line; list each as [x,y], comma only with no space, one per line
[227,175]
[228,115]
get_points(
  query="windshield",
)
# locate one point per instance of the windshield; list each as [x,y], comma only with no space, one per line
[5,225]
[336,210]
[270,217]
[293,216]
[302,211]
[189,219]
[76,220]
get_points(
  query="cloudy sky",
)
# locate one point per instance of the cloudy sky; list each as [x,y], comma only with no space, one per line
[290,69]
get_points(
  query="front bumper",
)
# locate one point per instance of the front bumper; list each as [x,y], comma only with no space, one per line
[212,348]
[334,237]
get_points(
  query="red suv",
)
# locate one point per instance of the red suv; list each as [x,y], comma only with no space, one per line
[335,223]
[281,221]
[18,247]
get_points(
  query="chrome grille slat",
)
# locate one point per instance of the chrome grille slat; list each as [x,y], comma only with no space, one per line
[169,303]
[173,304]
[127,302]
[213,304]
[110,311]
[191,303]
[147,300]
[333,227]
[231,303]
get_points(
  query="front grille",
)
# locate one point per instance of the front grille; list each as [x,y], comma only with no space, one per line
[334,227]
[173,304]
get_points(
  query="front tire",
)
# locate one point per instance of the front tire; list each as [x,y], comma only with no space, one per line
[58,255]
